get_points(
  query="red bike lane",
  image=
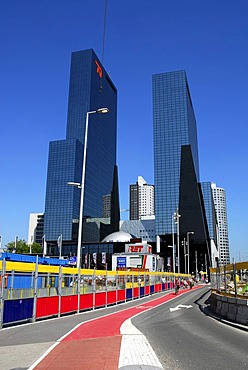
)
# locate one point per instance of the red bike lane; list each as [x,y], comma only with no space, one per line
[95,344]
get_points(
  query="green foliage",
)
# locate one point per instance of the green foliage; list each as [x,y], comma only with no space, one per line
[23,248]
[36,248]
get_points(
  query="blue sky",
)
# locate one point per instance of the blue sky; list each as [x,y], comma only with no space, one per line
[206,38]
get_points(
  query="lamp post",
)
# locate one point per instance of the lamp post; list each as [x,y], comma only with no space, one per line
[185,255]
[173,243]
[81,185]
[176,217]
[188,234]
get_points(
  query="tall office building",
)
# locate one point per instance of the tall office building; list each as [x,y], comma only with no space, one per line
[176,168]
[212,221]
[90,89]
[141,200]
[219,196]
[35,228]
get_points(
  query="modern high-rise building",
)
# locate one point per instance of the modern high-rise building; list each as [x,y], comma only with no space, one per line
[141,200]
[219,196]
[35,228]
[176,168]
[90,89]
[143,229]
[212,221]
[174,125]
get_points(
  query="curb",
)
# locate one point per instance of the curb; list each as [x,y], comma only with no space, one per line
[205,308]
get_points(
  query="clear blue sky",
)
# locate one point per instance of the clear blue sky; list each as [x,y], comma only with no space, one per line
[209,39]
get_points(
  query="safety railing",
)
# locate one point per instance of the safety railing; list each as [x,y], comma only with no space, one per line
[31,291]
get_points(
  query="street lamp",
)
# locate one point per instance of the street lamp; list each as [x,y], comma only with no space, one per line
[173,243]
[81,185]
[176,217]
[188,234]
[185,255]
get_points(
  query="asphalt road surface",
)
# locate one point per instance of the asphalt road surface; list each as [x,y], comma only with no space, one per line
[183,337]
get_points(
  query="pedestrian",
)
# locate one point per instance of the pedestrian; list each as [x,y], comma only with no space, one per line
[177,286]
[191,283]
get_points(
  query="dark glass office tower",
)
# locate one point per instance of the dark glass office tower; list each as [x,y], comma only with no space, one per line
[90,89]
[176,168]
[174,125]
[210,210]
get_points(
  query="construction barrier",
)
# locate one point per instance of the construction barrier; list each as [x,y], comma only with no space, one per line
[32,291]
[231,280]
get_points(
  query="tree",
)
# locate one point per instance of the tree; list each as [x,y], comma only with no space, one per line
[36,248]
[23,248]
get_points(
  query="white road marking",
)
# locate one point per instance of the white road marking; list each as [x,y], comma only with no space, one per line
[135,349]
[179,307]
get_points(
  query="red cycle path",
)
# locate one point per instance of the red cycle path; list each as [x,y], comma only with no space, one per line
[95,344]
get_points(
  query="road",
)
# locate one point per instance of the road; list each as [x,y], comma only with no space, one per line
[180,334]
[185,338]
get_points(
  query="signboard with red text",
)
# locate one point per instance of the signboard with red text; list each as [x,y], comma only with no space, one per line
[138,248]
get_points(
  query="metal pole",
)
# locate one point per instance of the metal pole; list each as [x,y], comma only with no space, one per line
[16,238]
[196,271]
[178,241]
[234,278]
[80,226]
[185,256]
[35,287]
[59,290]
[82,193]
[188,250]
[2,290]
[173,244]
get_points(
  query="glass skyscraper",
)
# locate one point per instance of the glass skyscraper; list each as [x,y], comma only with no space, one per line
[176,174]
[90,89]
[174,125]
[210,210]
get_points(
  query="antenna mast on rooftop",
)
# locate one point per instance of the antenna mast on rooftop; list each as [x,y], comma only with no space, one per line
[104,28]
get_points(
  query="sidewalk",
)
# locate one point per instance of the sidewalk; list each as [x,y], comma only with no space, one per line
[99,344]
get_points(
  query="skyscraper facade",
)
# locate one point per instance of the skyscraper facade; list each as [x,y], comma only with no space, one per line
[178,195]
[90,89]
[219,196]
[212,220]
[210,209]
[141,200]
[174,125]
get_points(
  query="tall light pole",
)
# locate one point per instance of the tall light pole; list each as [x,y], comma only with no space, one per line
[185,255]
[176,217]
[173,243]
[188,234]
[81,185]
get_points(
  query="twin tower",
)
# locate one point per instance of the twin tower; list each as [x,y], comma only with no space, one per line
[176,167]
